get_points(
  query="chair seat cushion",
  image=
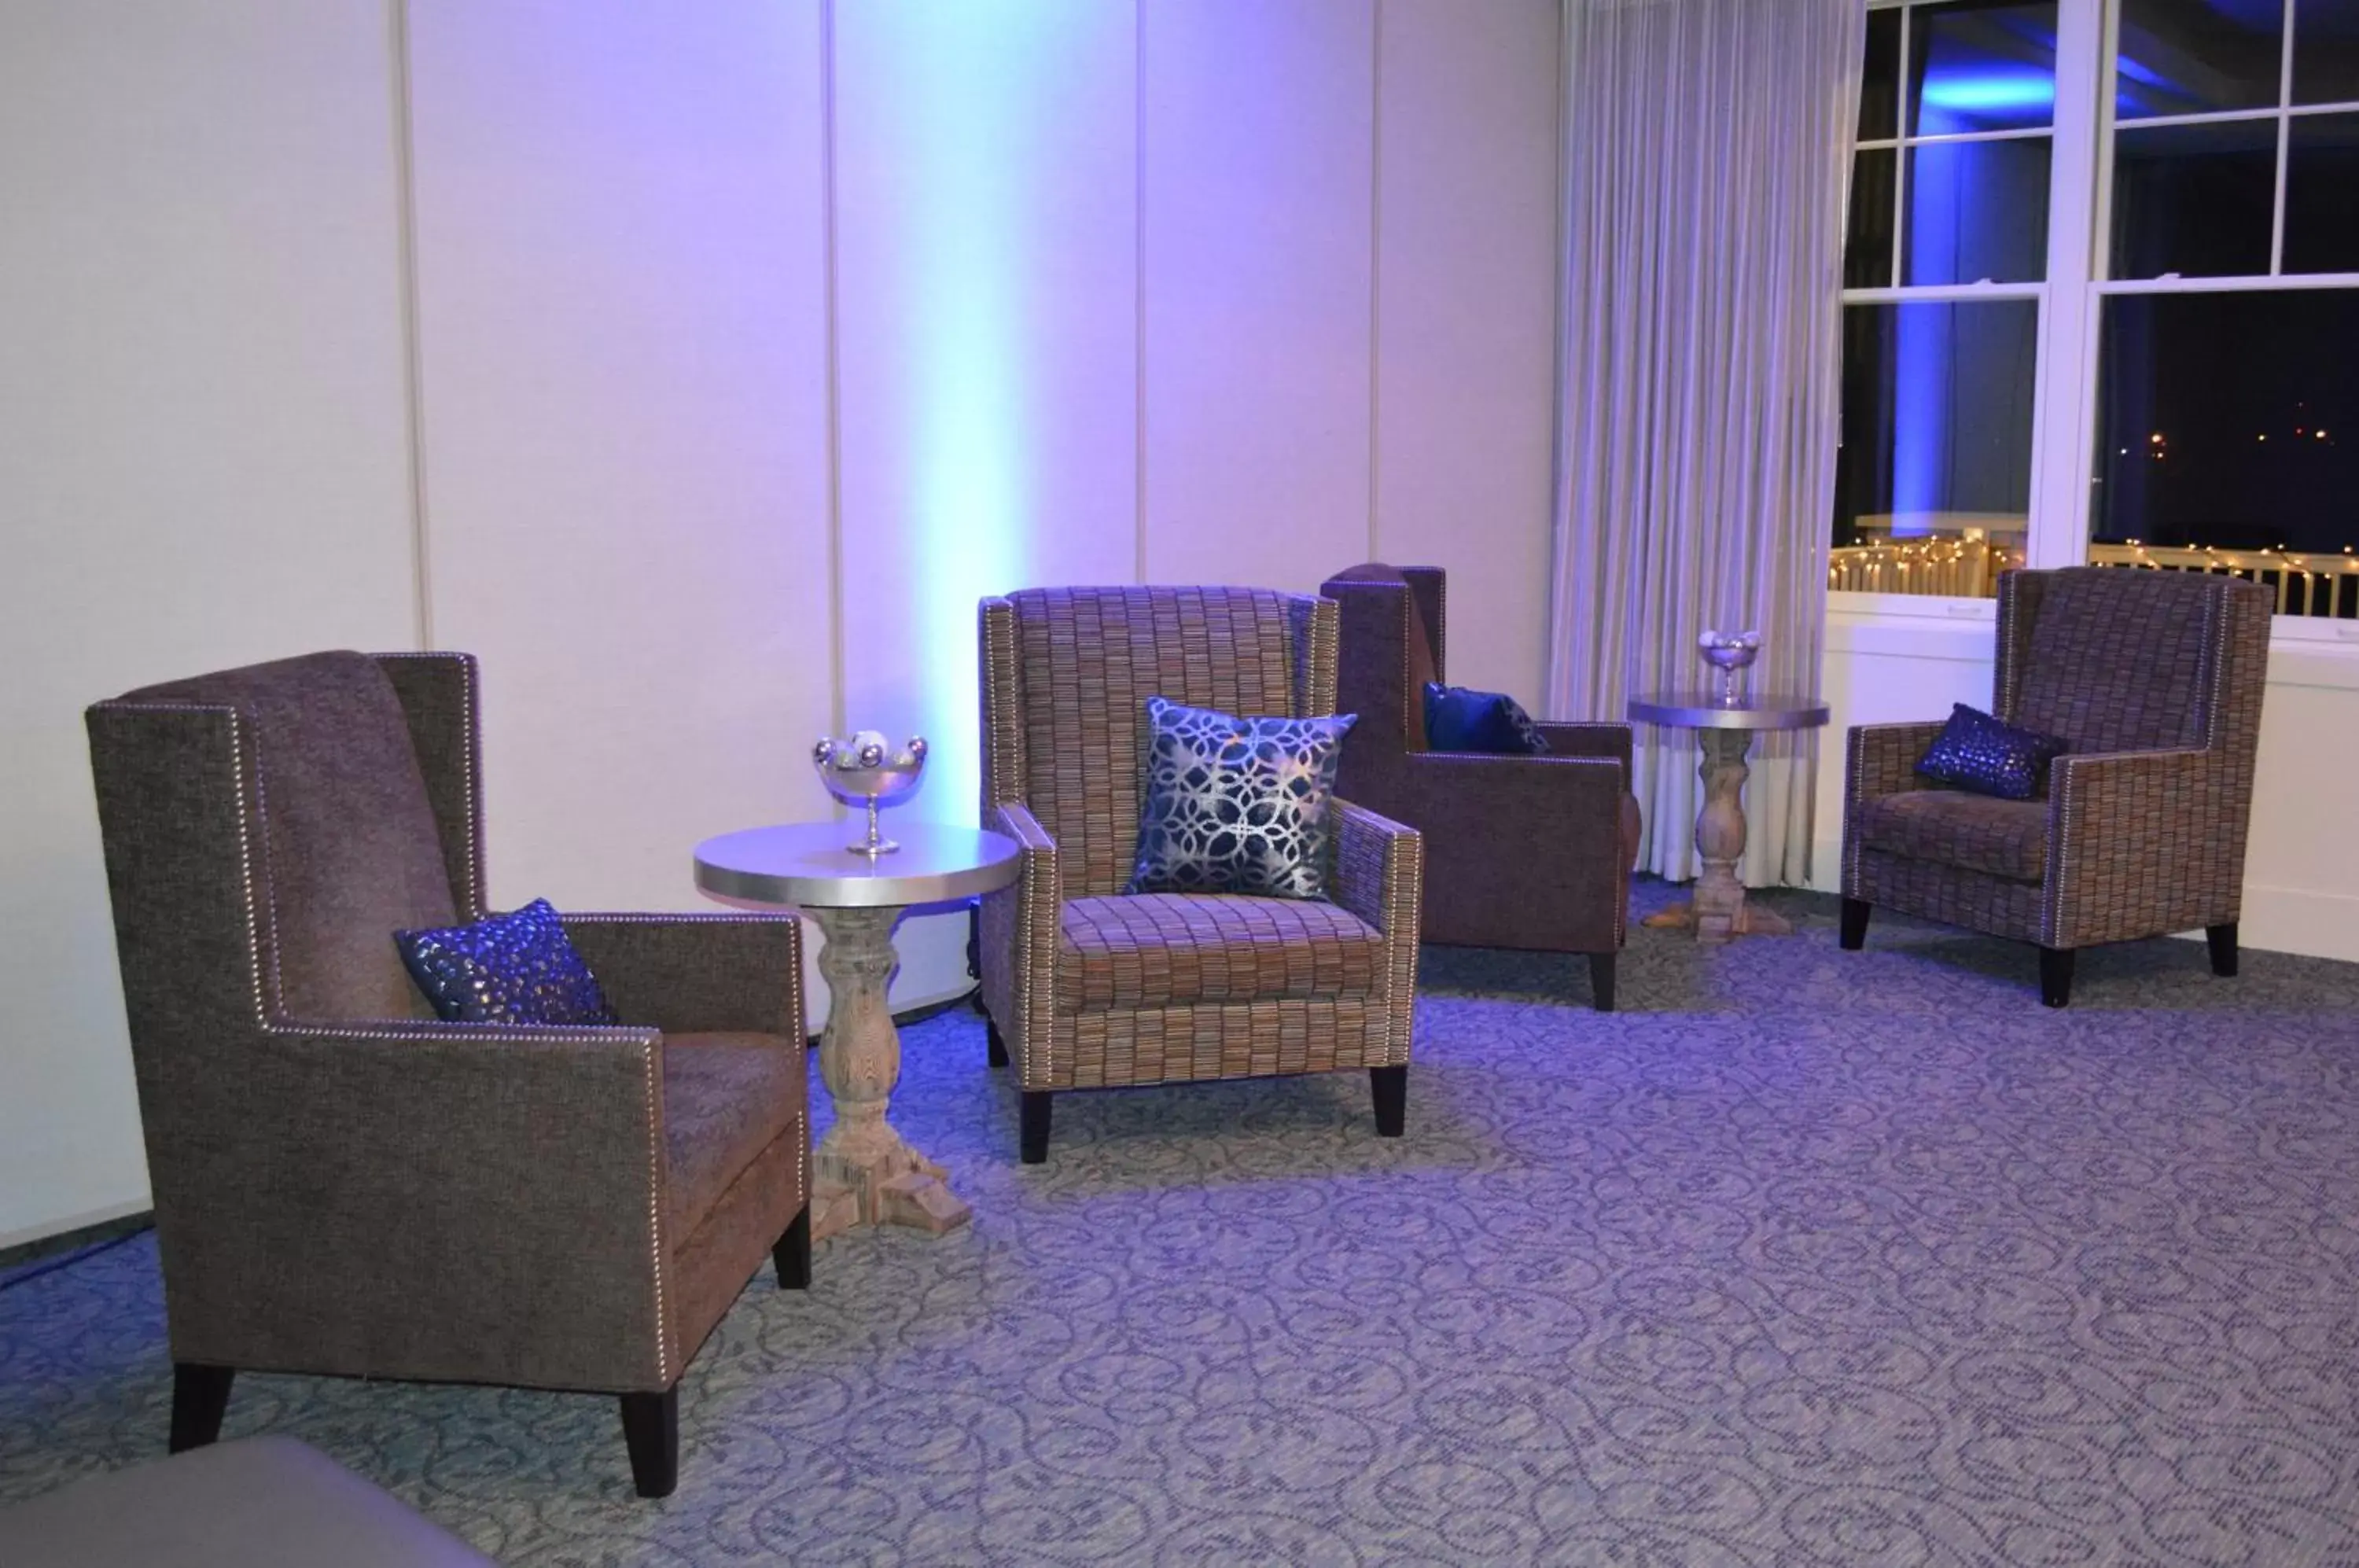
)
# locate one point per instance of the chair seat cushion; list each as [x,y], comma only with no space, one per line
[1155,949]
[726,1098]
[1972,833]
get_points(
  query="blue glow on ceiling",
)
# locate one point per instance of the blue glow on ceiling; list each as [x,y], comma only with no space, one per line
[1986,69]
[1983,91]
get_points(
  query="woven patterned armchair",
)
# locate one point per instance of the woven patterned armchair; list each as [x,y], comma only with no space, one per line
[1521,852]
[1088,989]
[2155,678]
[346,1185]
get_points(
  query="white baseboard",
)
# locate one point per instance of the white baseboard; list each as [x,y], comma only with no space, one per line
[2300,920]
[64,1224]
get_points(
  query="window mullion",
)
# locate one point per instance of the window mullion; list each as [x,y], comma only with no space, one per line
[2284,140]
[2065,395]
[1900,153]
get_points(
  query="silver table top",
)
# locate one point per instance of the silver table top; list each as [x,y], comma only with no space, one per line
[807,865]
[1705,711]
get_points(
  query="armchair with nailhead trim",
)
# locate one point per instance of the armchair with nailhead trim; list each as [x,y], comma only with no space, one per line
[345,1184]
[1089,987]
[2155,681]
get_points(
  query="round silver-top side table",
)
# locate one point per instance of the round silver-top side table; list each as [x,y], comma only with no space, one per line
[1718,911]
[866,1173]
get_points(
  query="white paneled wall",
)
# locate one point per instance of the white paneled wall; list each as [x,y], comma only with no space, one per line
[1466,216]
[704,461]
[203,459]
[622,363]
[1258,124]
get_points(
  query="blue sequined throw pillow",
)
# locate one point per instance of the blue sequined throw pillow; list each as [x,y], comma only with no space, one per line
[506,969]
[1236,805]
[1458,718]
[1989,757]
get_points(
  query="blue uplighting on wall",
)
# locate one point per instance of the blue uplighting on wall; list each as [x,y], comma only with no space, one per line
[981,84]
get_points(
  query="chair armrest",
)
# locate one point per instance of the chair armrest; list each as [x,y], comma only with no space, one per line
[1015,819]
[1599,739]
[1379,870]
[698,973]
[1570,794]
[2141,842]
[1019,932]
[465,1201]
[1545,836]
[1380,877]
[1881,759]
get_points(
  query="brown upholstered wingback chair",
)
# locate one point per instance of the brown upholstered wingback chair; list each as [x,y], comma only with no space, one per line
[346,1185]
[1089,988]
[2155,679]
[1521,852]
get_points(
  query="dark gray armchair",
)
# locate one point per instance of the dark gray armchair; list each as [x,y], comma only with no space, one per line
[345,1184]
[2155,678]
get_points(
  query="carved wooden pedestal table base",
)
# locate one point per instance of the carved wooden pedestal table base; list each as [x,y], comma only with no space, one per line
[1718,911]
[865,1172]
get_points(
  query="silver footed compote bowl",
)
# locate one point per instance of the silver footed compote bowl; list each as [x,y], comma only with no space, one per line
[866,771]
[1731,653]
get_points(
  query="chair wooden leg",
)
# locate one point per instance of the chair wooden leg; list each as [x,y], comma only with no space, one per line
[1390,1085]
[2224,948]
[199,1399]
[651,1432]
[1855,924]
[1600,981]
[792,1254]
[996,1043]
[2056,975]
[1034,1117]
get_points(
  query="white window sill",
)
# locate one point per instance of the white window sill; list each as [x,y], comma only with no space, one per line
[2303,651]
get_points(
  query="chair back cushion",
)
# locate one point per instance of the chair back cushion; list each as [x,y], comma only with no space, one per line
[2119,659]
[1088,659]
[347,852]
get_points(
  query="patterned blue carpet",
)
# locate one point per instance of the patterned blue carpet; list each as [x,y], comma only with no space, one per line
[1802,1257]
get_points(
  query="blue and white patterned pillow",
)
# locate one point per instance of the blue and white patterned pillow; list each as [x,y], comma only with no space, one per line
[516,968]
[1236,805]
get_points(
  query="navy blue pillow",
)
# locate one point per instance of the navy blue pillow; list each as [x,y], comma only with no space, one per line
[506,969]
[1458,719]
[1989,757]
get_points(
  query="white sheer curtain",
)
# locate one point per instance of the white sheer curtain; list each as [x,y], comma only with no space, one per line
[1706,155]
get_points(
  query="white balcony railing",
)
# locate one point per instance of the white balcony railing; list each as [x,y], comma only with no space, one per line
[2321,585]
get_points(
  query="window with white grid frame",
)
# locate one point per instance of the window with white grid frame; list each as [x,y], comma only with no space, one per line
[1945,270]
[2226,361]
[2102,296]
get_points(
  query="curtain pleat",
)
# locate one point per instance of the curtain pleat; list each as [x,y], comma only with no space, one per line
[1707,154]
